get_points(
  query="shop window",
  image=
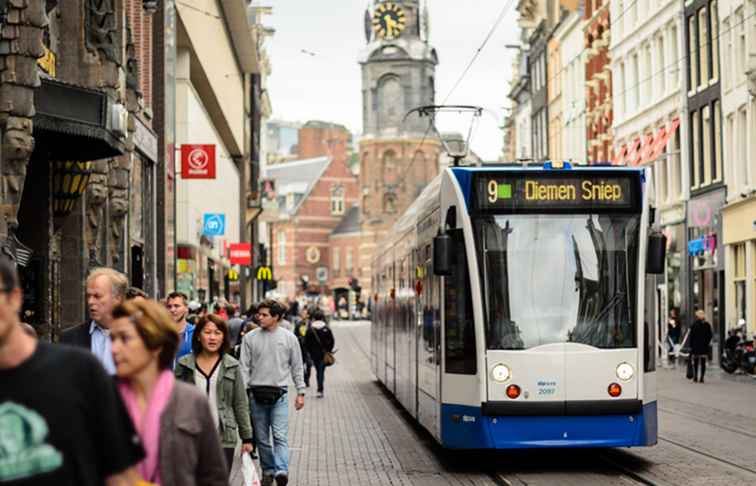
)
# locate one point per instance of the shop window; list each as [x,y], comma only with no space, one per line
[739,279]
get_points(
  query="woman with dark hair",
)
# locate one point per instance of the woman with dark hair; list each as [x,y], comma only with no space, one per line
[318,341]
[212,369]
[173,419]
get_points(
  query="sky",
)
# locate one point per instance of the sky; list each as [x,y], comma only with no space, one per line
[315,73]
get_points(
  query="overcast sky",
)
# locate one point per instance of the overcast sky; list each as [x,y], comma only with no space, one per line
[324,82]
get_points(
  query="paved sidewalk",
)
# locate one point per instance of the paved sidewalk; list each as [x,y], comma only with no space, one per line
[356,435]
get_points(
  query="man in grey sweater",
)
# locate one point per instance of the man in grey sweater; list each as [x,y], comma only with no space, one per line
[270,355]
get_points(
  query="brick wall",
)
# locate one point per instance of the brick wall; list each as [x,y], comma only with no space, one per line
[141,26]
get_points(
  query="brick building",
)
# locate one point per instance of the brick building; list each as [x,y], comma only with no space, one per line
[314,195]
[598,80]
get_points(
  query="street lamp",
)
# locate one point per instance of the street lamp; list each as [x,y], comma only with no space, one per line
[70,179]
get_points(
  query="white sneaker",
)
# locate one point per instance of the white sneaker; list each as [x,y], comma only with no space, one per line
[320,395]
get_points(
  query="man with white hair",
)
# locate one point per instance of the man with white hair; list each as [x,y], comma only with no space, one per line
[106,288]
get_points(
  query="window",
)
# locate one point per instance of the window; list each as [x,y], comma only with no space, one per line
[459,332]
[635,87]
[741,160]
[661,67]
[336,260]
[714,17]
[716,141]
[732,154]
[695,149]
[741,61]
[675,165]
[706,133]
[337,201]
[633,17]
[349,263]
[622,99]
[661,179]
[739,279]
[692,53]
[282,248]
[726,55]
[674,73]
[703,47]
[647,75]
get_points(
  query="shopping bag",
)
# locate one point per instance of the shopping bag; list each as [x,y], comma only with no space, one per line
[249,473]
[689,374]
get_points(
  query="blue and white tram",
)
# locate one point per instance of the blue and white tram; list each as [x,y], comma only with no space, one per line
[509,308]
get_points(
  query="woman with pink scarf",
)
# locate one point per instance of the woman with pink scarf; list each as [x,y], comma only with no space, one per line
[172,419]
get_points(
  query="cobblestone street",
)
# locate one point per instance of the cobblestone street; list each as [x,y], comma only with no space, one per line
[358,435]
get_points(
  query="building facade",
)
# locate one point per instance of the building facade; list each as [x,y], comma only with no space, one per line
[80,178]
[398,154]
[573,86]
[737,42]
[217,65]
[650,125]
[706,287]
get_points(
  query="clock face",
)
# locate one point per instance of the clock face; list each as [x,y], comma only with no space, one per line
[388,20]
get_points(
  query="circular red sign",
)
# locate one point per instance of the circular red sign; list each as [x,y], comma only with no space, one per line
[198,159]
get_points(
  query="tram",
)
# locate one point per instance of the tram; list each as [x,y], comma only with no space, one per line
[510,308]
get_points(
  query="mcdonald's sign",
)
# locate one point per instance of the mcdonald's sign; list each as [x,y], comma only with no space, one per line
[264,273]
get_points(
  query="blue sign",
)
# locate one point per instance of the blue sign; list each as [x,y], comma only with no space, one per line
[214,224]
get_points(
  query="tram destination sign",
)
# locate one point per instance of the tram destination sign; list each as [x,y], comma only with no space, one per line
[523,191]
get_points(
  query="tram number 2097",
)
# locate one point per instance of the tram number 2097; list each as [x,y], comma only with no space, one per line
[546,388]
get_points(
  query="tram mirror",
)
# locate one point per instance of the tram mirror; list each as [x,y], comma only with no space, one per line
[656,253]
[442,255]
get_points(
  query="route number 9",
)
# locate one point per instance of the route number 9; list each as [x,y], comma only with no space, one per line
[493,192]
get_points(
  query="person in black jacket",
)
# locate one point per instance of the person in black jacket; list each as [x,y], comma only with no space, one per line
[700,339]
[319,340]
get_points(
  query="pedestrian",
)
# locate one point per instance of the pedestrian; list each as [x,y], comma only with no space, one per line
[269,357]
[106,288]
[300,331]
[217,374]
[178,306]
[700,339]
[318,341]
[61,419]
[173,419]
[235,323]
[673,335]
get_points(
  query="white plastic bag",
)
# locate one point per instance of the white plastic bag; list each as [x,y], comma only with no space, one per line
[249,473]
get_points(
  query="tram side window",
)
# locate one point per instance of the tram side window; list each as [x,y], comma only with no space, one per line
[459,332]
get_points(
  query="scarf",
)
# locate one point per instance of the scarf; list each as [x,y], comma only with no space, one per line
[148,424]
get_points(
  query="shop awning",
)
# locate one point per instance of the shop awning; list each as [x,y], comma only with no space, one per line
[633,152]
[619,155]
[662,138]
[72,123]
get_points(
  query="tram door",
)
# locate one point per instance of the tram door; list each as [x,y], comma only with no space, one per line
[428,345]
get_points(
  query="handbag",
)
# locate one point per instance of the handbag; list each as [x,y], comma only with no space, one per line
[267,395]
[328,356]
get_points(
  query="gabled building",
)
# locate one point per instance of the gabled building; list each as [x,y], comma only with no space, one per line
[313,197]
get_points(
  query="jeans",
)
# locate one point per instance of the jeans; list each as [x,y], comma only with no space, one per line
[274,458]
[320,373]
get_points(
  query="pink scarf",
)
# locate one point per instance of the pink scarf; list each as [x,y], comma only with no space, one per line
[148,425]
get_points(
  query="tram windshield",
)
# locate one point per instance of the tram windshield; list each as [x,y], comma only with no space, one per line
[557,278]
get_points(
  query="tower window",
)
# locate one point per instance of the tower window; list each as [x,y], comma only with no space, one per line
[389,203]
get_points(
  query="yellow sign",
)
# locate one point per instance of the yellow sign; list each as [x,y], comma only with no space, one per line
[47,62]
[264,274]
[589,191]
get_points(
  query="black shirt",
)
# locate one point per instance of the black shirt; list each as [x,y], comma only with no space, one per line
[62,421]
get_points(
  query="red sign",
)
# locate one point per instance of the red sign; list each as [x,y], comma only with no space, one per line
[240,253]
[198,161]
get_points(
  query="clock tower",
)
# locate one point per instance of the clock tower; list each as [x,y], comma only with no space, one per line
[398,153]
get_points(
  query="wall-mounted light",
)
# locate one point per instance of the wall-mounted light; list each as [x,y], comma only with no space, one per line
[70,179]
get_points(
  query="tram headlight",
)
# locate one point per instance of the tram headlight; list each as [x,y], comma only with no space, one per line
[625,371]
[501,373]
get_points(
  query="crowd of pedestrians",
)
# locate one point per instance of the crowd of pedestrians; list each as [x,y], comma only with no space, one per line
[153,393]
